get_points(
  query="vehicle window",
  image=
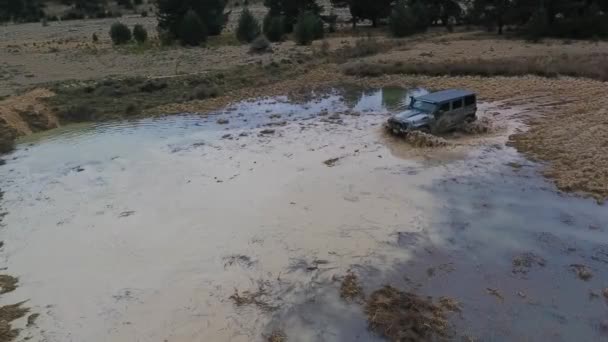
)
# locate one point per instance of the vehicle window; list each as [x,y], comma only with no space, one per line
[445,107]
[469,100]
[425,106]
[457,104]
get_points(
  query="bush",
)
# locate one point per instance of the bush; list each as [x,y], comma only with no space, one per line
[120,33]
[248,28]
[166,38]
[308,28]
[144,13]
[140,34]
[192,30]
[273,28]
[260,45]
[95,38]
[402,22]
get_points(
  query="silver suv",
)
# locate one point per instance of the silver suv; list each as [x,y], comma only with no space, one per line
[436,112]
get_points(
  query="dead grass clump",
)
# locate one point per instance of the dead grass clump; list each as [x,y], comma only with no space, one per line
[582,271]
[525,261]
[9,313]
[402,316]
[363,47]
[7,283]
[593,66]
[421,139]
[252,298]
[277,336]
[350,288]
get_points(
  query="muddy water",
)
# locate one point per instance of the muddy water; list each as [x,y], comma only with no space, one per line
[142,230]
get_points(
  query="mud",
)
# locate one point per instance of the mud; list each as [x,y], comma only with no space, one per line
[387,211]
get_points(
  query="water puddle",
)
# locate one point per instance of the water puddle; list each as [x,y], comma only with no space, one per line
[232,226]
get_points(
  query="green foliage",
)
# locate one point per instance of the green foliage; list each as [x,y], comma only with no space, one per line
[402,21]
[21,10]
[140,34]
[248,27]
[290,10]
[369,9]
[273,27]
[210,12]
[308,28]
[120,33]
[192,31]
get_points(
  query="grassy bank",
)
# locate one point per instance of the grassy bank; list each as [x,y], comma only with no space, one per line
[593,66]
[132,97]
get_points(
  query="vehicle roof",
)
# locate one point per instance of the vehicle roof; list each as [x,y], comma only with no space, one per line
[445,95]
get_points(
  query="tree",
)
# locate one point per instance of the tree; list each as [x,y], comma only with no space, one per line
[210,12]
[120,33]
[248,27]
[308,28]
[20,10]
[290,9]
[192,31]
[273,27]
[402,21]
[366,9]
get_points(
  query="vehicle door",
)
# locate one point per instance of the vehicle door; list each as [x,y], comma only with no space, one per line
[456,113]
[470,106]
[442,117]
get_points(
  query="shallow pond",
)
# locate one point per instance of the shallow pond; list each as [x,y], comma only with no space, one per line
[143,230]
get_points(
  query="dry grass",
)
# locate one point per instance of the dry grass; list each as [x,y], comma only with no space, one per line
[350,288]
[277,336]
[9,313]
[593,66]
[402,316]
[257,299]
[7,283]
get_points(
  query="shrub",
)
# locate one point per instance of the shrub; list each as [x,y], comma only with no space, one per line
[308,28]
[140,34]
[95,38]
[260,45]
[402,21]
[144,13]
[171,13]
[77,113]
[192,30]
[138,2]
[166,37]
[120,33]
[273,28]
[248,27]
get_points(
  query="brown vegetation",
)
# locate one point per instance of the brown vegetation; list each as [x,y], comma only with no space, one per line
[7,283]
[402,316]
[350,288]
[594,66]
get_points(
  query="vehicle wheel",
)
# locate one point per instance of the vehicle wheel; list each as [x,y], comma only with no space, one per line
[425,129]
